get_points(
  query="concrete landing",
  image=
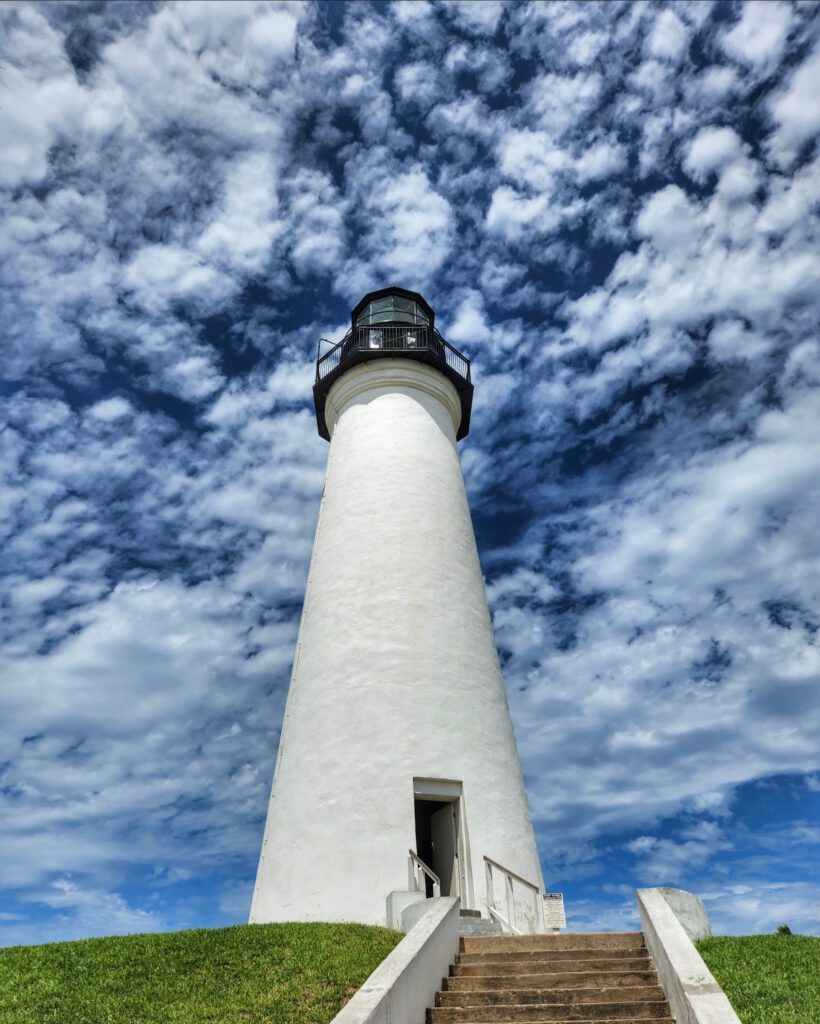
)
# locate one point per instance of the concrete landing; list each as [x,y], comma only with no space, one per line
[473,925]
[479,929]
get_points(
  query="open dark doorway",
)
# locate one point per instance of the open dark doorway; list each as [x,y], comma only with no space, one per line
[437,842]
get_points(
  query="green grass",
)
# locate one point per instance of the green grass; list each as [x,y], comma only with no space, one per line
[769,979]
[258,974]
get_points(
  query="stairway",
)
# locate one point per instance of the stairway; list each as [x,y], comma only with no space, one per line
[587,978]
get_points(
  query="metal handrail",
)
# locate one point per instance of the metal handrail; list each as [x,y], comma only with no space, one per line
[503,921]
[393,338]
[512,874]
[509,878]
[413,881]
[418,342]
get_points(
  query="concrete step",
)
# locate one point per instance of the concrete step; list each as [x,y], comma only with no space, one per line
[565,996]
[603,1010]
[469,913]
[583,978]
[586,1020]
[522,963]
[475,954]
[558,979]
[551,943]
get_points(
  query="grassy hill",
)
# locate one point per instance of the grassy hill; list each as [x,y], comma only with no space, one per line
[258,974]
[769,979]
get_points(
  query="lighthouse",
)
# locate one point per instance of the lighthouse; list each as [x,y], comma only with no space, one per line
[397,776]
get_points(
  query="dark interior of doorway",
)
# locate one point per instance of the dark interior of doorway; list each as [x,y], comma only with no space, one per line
[424,838]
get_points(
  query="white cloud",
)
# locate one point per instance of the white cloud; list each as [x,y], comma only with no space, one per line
[530,158]
[585,47]
[418,82]
[600,160]
[470,323]
[464,116]
[417,14]
[560,102]
[31,594]
[160,274]
[791,201]
[123,691]
[512,214]
[42,100]
[759,37]
[317,218]
[710,150]
[479,18]
[245,43]
[664,861]
[521,583]
[655,79]
[240,235]
[110,409]
[731,340]
[669,36]
[194,377]
[712,86]
[749,906]
[668,219]
[720,150]
[409,225]
[80,909]
[489,66]
[795,112]
[234,405]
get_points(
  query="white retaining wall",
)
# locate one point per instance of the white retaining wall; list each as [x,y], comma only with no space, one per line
[694,995]
[405,984]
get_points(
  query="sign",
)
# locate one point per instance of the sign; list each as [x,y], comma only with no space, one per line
[554,910]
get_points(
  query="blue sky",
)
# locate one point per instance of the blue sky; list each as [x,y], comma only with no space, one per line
[613,209]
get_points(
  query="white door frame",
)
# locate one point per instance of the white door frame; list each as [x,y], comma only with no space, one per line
[449,791]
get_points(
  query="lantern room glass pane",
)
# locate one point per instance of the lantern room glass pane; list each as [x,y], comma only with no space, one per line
[395,309]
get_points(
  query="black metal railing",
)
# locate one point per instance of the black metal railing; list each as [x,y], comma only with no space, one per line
[394,339]
[420,342]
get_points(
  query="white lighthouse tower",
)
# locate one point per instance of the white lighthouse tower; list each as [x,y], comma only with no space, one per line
[397,775]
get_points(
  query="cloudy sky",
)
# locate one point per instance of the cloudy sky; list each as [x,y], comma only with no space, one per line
[613,209]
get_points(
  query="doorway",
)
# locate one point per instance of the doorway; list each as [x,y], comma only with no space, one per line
[438,833]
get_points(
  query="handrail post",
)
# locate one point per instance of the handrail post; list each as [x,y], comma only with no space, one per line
[416,872]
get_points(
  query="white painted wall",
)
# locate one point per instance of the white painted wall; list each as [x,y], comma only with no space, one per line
[694,995]
[396,673]
[690,912]
[405,984]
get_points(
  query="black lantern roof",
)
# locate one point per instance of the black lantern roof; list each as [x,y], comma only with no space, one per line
[393,323]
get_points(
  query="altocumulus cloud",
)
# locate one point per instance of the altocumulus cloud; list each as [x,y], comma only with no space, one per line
[614,210]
